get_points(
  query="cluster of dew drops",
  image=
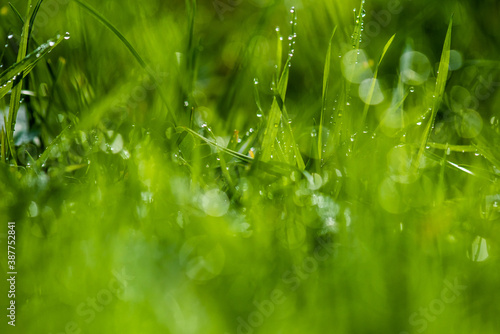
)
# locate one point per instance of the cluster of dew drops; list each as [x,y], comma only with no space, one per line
[39,50]
[291,50]
[359,19]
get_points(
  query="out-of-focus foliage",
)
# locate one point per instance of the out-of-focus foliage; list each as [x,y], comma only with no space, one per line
[222,179]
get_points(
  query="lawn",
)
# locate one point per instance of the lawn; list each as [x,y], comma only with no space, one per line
[250,166]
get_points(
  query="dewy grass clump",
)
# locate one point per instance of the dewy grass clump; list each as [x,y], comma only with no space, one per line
[250,166]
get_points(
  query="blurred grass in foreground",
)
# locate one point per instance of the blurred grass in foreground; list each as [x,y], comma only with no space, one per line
[246,172]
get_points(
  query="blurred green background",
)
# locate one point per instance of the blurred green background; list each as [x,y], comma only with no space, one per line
[130,219]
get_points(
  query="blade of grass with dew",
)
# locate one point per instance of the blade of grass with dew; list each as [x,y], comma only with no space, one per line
[453,148]
[375,74]
[326,76]
[297,155]
[191,63]
[279,52]
[441,79]
[31,38]
[46,154]
[274,118]
[482,145]
[16,86]
[16,91]
[342,128]
[358,28]
[222,160]
[278,110]
[275,168]
[257,98]
[132,50]
[10,77]
[214,144]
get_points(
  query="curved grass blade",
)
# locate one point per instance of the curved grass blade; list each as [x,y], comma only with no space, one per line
[111,27]
[129,46]
[214,144]
[14,9]
[276,168]
[32,18]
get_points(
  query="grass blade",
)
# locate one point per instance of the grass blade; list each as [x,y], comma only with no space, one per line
[274,118]
[16,91]
[32,18]
[2,142]
[326,76]
[277,110]
[372,86]
[276,168]
[46,154]
[129,46]
[11,76]
[14,9]
[111,27]
[343,120]
[235,154]
[439,91]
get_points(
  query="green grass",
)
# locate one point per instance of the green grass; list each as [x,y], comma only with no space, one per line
[249,167]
